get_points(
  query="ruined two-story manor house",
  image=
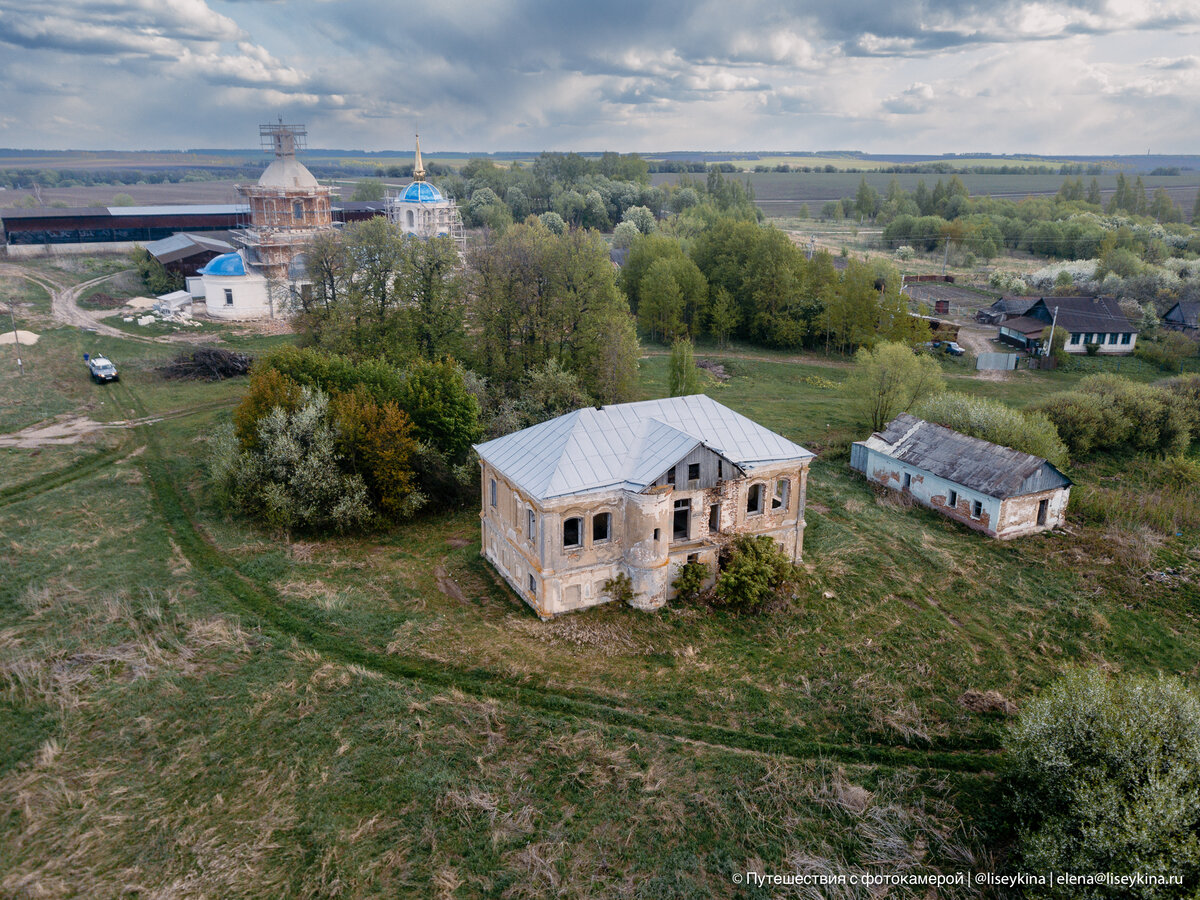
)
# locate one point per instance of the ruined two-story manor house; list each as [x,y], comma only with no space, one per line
[637,489]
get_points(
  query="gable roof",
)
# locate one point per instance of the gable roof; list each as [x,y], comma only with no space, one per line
[629,445]
[971,462]
[1012,306]
[181,245]
[1083,314]
[1184,313]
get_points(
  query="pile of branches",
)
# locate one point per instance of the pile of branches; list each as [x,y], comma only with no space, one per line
[206,364]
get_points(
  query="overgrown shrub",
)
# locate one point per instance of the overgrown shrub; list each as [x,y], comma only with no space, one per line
[1111,413]
[269,389]
[755,570]
[1167,351]
[1105,777]
[689,582]
[293,477]
[620,588]
[991,420]
[1092,349]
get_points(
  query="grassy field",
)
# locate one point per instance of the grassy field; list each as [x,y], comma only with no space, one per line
[191,707]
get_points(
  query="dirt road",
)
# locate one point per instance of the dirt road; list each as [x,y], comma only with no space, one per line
[978,339]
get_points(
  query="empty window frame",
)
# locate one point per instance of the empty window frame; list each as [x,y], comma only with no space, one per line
[693,471]
[952,500]
[601,527]
[783,487]
[671,475]
[681,524]
[530,524]
[977,509]
[229,296]
[493,491]
[533,585]
[754,500]
[908,481]
[573,532]
[656,532]
[720,468]
[714,518]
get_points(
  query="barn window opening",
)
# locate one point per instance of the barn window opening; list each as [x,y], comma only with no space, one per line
[780,499]
[714,518]
[720,468]
[671,475]
[601,527]
[754,499]
[683,515]
[1043,507]
[573,532]
[693,471]
[907,480]
[953,501]
[977,510]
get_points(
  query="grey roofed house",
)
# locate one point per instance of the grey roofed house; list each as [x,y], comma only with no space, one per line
[1003,309]
[997,490]
[628,445]
[187,253]
[1085,320]
[630,493]
[1183,316]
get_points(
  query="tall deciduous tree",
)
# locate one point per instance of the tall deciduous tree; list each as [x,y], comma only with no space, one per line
[683,376]
[890,379]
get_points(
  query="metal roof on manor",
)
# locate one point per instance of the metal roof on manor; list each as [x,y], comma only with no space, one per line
[971,462]
[629,445]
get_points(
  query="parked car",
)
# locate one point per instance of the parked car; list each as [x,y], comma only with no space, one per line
[101,368]
[952,348]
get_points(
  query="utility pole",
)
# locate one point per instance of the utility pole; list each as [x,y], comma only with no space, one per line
[946,258]
[1050,343]
[16,343]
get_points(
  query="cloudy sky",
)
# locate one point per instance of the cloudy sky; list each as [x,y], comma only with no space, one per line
[918,76]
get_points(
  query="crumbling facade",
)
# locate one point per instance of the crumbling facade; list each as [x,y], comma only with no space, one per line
[635,490]
[996,490]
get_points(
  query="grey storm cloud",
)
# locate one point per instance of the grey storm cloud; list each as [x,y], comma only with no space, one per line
[492,71]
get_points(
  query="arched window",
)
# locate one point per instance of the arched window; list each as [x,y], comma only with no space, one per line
[754,499]
[601,527]
[412,219]
[573,532]
[780,498]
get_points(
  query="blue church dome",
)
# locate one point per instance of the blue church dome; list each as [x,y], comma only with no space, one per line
[225,264]
[421,192]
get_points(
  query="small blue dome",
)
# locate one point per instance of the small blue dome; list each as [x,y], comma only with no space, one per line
[421,192]
[225,264]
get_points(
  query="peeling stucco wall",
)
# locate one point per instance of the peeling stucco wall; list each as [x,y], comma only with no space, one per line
[553,578]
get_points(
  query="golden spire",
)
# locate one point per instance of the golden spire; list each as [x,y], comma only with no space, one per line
[418,167]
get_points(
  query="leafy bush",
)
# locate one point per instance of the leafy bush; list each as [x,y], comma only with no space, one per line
[991,420]
[1092,349]
[293,478]
[1111,413]
[689,582]
[1105,777]
[620,588]
[443,411]
[754,571]
[888,380]
[1167,352]
[375,441]
[269,389]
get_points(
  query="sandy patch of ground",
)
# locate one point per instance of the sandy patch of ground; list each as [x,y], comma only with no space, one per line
[24,338]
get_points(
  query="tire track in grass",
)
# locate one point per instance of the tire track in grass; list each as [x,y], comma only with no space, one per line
[261,604]
[59,477]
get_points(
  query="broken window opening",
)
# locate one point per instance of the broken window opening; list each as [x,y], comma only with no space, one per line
[782,489]
[977,510]
[493,488]
[714,518]
[754,499]
[952,502]
[532,584]
[671,475]
[907,480]
[693,471]
[530,524]
[601,527]
[1043,507]
[683,516]
[573,532]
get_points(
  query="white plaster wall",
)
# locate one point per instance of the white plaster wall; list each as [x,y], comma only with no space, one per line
[250,298]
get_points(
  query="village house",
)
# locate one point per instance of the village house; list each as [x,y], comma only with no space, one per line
[633,489]
[1085,320]
[1183,316]
[997,490]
